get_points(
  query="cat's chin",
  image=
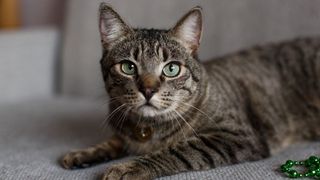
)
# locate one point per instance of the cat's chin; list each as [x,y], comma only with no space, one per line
[148,111]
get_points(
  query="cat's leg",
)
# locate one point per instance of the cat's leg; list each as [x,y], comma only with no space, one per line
[200,153]
[108,150]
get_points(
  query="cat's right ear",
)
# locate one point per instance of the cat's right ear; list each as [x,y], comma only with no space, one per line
[112,27]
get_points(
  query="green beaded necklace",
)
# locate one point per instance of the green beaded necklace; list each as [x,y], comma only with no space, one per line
[312,164]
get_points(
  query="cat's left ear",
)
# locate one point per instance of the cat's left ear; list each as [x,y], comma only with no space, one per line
[188,30]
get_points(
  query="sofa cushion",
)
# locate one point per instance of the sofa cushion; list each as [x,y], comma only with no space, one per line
[35,134]
[27,62]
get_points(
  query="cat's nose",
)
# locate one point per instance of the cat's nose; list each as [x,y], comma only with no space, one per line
[148,85]
[148,93]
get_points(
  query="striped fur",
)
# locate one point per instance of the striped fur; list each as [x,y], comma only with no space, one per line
[236,108]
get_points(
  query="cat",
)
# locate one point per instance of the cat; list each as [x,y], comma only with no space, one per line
[177,114]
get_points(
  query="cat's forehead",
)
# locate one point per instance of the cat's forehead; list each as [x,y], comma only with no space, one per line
[148,44]
[151,34]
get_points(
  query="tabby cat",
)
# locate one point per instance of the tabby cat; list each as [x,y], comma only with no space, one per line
[177,114]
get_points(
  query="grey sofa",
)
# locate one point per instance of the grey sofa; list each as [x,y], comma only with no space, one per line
[39,122]
[35,133]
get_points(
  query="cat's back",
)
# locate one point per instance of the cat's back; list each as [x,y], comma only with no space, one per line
[280,82]
[295,62]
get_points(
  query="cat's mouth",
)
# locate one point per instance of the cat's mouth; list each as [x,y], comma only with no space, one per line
[148,103]
[149,106]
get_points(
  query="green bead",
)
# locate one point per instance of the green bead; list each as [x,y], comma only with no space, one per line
[293,174]
[307,175]
[289,163]
[312,164]
[284,168]
[308,163]
[312,172]
[313,159]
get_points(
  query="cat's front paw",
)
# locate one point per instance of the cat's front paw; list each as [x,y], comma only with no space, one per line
[127,171]
[80,159]
[73,160]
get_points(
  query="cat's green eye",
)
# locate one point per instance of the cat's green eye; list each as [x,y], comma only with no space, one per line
[128,68]
[171,70]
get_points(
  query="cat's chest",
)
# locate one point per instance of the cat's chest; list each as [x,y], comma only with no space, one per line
[144,139]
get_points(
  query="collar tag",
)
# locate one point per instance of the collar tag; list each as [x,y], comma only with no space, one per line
[143,134]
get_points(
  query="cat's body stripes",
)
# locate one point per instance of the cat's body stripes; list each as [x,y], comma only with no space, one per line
[237,108]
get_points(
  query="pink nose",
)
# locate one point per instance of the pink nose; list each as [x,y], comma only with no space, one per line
[148,92]
[148,85]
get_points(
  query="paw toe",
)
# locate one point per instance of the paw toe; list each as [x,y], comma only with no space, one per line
[73,161]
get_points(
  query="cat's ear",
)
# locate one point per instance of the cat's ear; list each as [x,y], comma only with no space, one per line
[112,27]
[188,30]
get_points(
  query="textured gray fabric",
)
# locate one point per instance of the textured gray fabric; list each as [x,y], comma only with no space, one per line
[27,60]
[229,25]
[34,134]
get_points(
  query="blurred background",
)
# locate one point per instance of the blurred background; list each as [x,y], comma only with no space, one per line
[52,47]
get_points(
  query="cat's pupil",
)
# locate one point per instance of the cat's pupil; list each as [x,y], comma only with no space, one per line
[171,68]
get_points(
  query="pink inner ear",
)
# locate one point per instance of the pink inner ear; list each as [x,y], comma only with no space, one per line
[103,30]
[110,28]
[188,30]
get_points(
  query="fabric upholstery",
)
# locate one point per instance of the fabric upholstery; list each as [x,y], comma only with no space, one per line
[35,134]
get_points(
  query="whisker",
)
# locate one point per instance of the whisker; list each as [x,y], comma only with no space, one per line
[139,119]
[115,98]
[108,101]
[119,119]
[186,122]
[185,137]
[124,117]
[106,121]
[203,113]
